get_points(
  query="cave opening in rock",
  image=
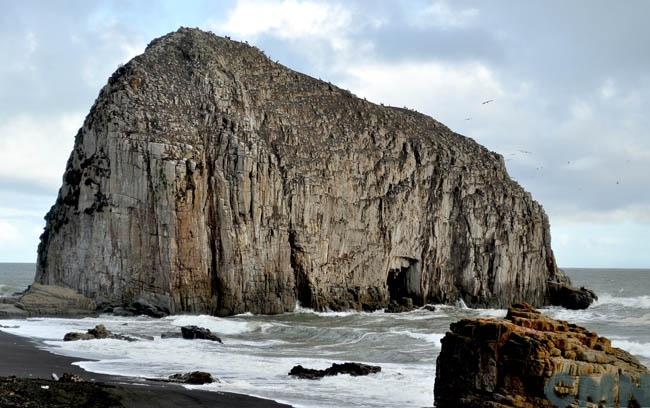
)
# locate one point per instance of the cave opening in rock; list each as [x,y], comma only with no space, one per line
[403,280]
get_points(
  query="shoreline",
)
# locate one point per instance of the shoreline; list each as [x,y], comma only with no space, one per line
[22,358]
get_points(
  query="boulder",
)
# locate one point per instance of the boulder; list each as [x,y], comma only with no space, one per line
[171,335]
[98,332]
[195,377]
[405,304]
[74,336]
[569,297]
[528,360]
[429,308]
[353,369]
[198,333]
[50,300]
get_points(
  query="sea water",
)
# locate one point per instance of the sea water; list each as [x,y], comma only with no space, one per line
[259,351]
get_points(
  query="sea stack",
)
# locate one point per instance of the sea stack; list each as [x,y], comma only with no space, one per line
[212,177]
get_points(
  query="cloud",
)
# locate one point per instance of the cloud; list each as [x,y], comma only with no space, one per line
[35,148]
[440,14]
[8,233]
[439,89]
[287,19]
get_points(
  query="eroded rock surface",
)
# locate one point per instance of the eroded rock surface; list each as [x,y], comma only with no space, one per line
[195,377]
[198,333]
[44,300]
[528,360]
[353,369]
[98,332]
[570,297]
[208,173]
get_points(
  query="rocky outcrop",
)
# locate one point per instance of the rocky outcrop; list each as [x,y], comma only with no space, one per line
[570,297]
[150,304]
[195,377]
[353,369]
[531,361]
[198,333]
[47,300]
[209,174]
[98,332]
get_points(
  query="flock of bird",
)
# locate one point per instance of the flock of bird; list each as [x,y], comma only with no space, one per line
[526,152]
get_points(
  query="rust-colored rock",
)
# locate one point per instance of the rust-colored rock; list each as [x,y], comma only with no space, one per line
[528,360]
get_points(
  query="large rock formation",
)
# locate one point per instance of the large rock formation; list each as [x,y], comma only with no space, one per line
[531,361]
[210,174]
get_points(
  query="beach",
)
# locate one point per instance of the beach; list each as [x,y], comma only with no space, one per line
[24,359]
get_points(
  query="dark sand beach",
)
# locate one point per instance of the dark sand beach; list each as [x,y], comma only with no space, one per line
[21,358]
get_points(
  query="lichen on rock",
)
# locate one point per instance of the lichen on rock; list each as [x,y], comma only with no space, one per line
[210,175]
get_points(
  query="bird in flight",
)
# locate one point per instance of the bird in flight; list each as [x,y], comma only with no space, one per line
[488,101]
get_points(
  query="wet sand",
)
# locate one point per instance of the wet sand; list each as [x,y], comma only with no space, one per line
[22,358]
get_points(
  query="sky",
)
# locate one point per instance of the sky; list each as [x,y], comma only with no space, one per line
[570,84]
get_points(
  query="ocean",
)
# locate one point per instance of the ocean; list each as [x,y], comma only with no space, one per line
[259,351]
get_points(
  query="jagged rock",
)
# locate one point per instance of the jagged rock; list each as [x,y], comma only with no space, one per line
[209,174]
[98,332]
[528,360]
[570,297]
[403,305]
[198,333]
[353,369]
[49,300]
[74,336]
[195,377]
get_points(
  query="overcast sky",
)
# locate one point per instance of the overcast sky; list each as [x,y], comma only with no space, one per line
[570,83]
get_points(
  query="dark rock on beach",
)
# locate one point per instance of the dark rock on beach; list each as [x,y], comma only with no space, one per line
[98,332]
[570,297]
[198,333]
[353,369]
[202,146]
[528,360]
[195,377]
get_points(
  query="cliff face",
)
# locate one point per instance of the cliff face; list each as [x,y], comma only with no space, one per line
[207,173]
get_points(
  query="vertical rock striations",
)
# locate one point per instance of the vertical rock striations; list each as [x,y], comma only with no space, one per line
[208,174]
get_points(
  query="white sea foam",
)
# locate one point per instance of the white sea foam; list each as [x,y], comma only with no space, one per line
[642,302]
[433,338]
[633,347]
[218,325]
